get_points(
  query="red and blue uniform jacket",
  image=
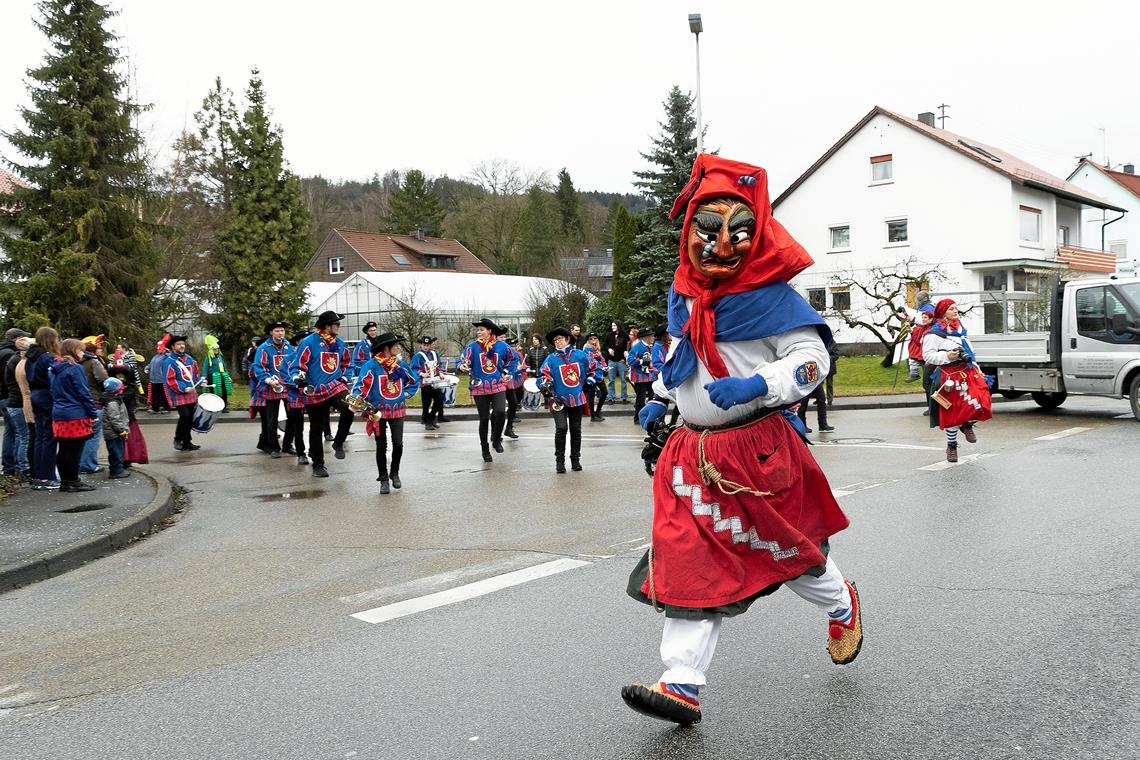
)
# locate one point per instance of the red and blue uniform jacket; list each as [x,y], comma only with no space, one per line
[361,355]
[518,377]
[638,373]
[420,364]
[568,371]
[658,353]
[271,360]
[487,366]
[386,392]
[324,362]
[180,372]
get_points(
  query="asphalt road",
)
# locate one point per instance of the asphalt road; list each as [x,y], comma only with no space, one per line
[999,596]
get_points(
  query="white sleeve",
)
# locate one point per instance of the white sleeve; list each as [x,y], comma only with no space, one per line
[802,363]
[931,351]
[659,388]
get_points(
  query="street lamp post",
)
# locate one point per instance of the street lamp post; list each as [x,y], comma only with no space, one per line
[696,27]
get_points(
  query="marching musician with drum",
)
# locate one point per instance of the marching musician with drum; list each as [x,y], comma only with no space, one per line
[383,385]
[596,393]
[486,358]
[642,371]
[181,378]
[426,365]
[564,377]
[514,380]
[270,374]
[318,368]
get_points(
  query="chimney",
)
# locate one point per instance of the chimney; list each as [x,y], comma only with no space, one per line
[1129,169]
[418,234]
[927,118]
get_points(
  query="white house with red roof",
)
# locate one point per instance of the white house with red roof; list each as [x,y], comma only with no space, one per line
[895,188]
[1120,232]
[8,181]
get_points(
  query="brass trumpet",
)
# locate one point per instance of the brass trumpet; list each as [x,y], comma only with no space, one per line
[358,405]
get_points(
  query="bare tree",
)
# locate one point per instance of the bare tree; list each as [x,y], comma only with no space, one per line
[885,291]
[413,315]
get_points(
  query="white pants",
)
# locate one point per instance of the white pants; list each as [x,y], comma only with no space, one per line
[687,646]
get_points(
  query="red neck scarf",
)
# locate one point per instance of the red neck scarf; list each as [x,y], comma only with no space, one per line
[774,257]
[387,362]
[327,337]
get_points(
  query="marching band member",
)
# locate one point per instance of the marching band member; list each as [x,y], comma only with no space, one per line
[295,413]
[642,373]
[318,368]
[362,352]
[514,381]
[959,395]
[485,358]
[182,381]
[270,373]
[427,367]
[596,393]
[565,375]
[740,505]
[385,383]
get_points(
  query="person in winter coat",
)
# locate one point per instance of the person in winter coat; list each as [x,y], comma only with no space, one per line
[922,321]
[116,427]
[96,372]
[959,394]
[73,412]
[124,364]
[7,351]
[16,403]
[535,355]
[614,347]
[38,359]
[157,373]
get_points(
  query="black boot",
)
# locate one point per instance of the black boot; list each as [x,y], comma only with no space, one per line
[510,433]
[498,446]
[384,487]
[487,453]
[560,466]
[396,480]
[575,464]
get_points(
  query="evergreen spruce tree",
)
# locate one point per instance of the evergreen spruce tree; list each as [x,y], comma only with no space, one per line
[414,207]
[537,241]
[568,206]
[626,277]
[658,245]
[263,246]
[80,257]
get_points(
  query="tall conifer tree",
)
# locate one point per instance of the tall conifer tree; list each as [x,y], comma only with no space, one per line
[263,245]
[80,257]
[569,206]
[626,276]
[672,155]
[414,206]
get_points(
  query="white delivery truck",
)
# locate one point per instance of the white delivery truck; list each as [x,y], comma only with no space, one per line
[1091,349]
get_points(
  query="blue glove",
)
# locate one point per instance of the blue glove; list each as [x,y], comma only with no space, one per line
[650,413]
[730,391]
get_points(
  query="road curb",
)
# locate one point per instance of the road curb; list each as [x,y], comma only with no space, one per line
[79,553]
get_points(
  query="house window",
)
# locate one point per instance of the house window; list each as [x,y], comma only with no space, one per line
[1062,235]
[994,280]
[439,262]
[841,299]
[840,238]
[817,298]
[1120,248]
[336,265]
[401,259]
[1030,224]
[882,168]
[897,231]
[1030,282]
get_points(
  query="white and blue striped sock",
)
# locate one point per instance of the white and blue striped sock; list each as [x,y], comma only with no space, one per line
[842,615]
[952,435]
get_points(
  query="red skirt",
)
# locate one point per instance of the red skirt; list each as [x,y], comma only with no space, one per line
[134,447]
[968,394]
[715,545]
[81,428]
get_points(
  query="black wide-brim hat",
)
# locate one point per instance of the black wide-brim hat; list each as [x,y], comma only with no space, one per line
[368,326]
[427,340]
[270,326]
[550,336]
[484,322]
[328,318]
[383,341]
[660,331]
[175,338]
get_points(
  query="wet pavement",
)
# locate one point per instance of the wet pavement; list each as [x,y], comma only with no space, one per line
[993,593]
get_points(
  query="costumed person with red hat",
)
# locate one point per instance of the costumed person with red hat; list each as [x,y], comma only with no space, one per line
[488,359]
[959,394]
[156,397]
[318,368]
[740,505]
[383,385]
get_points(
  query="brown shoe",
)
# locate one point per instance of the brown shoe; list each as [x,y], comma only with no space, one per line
[845,640]
[969,434]
[951,452]
[656,702]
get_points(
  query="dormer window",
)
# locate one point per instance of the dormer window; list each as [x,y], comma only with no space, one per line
[882,168]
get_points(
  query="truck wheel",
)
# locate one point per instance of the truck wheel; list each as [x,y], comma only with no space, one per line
[1134,396]
[1049,400]
[1012,394]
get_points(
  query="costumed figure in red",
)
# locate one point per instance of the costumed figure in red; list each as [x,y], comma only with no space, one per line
[959,393]
[740,505]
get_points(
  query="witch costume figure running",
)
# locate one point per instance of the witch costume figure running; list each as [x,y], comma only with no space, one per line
[740,505]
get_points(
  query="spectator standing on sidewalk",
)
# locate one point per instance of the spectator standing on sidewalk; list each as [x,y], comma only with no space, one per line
[535,355]
[116,427]
[20,406]
[73,412]
[40,358]
[829,382]
[157,373]
[614,346]
[7,351]
[96,372]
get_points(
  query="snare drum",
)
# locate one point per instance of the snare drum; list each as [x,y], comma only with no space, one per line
[532,396]
[449,385]
[209,408]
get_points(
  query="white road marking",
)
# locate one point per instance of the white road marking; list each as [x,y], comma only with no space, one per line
[943,465]
[906,446]
[860,486]
[1061,434]
[469,591]
[431,583]
[1124,417]
[840,493]
[629,541]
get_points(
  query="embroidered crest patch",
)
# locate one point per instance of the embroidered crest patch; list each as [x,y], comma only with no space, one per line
[391,389]
[806,374]
[277,360]
[330,360]
[570,375]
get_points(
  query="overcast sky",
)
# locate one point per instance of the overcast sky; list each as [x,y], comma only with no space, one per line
[361,86]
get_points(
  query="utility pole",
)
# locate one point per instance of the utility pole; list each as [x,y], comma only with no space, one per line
[943,117]
[1104,146]
[696,27]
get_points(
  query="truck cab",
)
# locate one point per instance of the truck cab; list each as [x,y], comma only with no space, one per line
[1091,349]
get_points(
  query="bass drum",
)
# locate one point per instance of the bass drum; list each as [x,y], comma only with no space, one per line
[532,396]
[449,386]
